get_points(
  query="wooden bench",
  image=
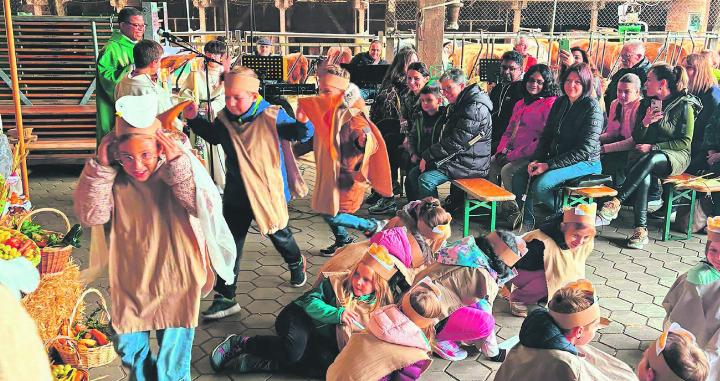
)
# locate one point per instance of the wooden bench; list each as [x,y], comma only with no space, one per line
[481,193]
[586,195]
[670,196]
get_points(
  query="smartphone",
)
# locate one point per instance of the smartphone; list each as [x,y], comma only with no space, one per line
[564,44]
[656,104]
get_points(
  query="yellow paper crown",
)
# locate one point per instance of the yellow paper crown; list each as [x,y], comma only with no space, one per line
[713,228]
[583,213]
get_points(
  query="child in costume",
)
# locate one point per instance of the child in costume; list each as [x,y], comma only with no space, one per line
[694,300]
[350,154]
[554,342]
[426,130]
[313,328]
[395,346]
[557,252]
[160,250]
[261,173]
[469,275]
[675,356]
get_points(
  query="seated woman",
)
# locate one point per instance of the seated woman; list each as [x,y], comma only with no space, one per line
[662,144]
[312,329]
[528,120]
[556,255]
[469,274]
[417,76]
[616,142]
[569,146]
[397,342]
[554,342]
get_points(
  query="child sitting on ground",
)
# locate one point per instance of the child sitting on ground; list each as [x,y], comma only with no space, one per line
[468,275]
[675,356]
[396,345]
[311,329]
[554,342]
[694,299]
[426,131]
[557,252]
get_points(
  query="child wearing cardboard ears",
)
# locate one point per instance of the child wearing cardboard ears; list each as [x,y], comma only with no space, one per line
[261,173]
[312,329]
[397,342]
[160,252]
[553,342]
[557,252]
[469,275]
[675,356]
[694,300]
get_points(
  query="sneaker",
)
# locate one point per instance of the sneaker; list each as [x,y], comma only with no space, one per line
[500,357]
[373,198]
[661,213]
[221,307]
[610,210]
[247,363]
[654,205]
[330,250]
[385,205]
[449,350]
[489,346]
[298,276]
[518,309]
[230,348]
[639,238]
[379,225]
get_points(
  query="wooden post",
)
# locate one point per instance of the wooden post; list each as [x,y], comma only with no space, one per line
[429,39]
[595,8]
[517,6]
[360,8]
[390,19]
[282,6]
[38,6]
[201,5]
[20,149]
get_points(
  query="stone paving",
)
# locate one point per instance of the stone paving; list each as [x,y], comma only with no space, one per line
[631,284]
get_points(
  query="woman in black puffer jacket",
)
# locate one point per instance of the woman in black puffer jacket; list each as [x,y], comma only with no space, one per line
[569,146]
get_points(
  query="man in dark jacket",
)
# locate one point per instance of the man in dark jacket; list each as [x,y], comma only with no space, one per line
[505,94]
[371,57]
[632,60]
[464,147]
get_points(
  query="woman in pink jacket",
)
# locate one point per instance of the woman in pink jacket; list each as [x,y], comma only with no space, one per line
[617,141]
[528,120]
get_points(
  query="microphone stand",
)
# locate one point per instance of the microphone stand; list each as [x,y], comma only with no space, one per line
[206,61]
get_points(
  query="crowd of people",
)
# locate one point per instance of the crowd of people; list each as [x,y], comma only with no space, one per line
[380,306]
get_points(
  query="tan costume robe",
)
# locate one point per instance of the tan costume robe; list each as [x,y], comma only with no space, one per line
[158,264]
[592,364]
[459,286]
[257,145]
[696,307]
[343,332]
[142,84]
[561,266]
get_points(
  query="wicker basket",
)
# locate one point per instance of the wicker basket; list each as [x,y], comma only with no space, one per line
[52,259]
[85,358]
[84,375]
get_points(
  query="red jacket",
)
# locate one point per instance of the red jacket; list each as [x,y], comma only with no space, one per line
[529,121]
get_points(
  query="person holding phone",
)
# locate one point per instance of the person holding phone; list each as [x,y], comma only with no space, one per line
[662,144]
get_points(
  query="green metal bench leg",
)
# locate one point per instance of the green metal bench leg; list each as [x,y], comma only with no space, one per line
[466,217]
[566,199]
[493,208]
[690,219]
[668,214]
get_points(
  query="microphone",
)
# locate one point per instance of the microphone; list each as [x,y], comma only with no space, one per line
[166,34]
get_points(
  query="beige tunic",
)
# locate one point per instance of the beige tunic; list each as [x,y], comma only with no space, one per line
[561,266]
[460,286]
[550,364]
[697,309]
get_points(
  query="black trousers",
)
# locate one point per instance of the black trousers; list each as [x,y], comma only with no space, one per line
[297,348]
[699,166]
[239,214]
[390,130]
[638,181]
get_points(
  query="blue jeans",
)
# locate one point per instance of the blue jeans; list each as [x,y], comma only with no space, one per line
[346,220]
[172,363]
[542,189]
[420,185]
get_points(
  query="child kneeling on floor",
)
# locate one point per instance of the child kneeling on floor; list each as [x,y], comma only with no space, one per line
[554,342]
[675,356]
[396,345]
[557,252]
[312,329]
[694,300]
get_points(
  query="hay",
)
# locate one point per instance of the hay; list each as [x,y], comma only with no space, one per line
[53,301]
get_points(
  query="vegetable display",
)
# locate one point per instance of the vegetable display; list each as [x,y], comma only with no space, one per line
[13,244]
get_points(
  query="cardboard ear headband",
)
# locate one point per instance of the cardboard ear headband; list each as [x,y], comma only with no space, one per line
[409,311]
[378,259]
[335,81]
[584,317]
[501,249]
[655,358]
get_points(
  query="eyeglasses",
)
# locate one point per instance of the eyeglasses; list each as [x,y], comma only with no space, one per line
[509,68]
[538,82]
[137,26]
[128,160]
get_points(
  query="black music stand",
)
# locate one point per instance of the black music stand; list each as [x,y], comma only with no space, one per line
[366,75]
[268,68]
[489,69]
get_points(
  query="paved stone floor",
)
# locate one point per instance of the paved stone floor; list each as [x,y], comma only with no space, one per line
[631,284]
